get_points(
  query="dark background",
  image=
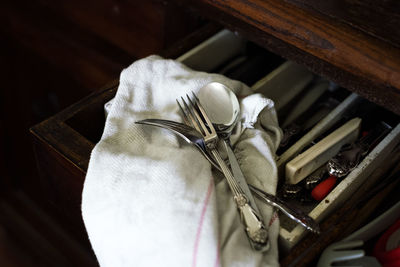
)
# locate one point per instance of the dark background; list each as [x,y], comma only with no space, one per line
[53,54]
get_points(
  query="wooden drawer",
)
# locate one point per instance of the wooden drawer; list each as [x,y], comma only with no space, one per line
[63,143]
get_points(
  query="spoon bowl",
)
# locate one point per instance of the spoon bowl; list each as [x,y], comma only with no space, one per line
[221,105]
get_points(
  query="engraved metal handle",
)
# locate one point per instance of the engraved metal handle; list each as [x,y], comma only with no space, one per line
[350,155]
[255,229]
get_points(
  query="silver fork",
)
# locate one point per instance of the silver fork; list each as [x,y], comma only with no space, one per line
[194,113]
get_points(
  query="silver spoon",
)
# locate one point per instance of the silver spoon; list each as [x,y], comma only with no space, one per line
[223,108]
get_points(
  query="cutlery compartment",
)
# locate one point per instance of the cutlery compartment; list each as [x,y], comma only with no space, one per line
[65,141]
[291,234]
[340,106]
[231,55]
[346,108]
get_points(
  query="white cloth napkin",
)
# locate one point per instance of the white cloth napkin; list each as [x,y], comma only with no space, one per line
[150,199]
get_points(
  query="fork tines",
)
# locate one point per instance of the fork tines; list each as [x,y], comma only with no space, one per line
[195,115]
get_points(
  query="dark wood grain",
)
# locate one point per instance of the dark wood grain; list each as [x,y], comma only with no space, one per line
[354,59]
[62,154]
[12,254]
[81,56]
[5,182]
[378,18]
[137,27]
[43,238]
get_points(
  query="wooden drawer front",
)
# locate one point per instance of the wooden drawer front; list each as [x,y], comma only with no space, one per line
[283,81]
[343,42]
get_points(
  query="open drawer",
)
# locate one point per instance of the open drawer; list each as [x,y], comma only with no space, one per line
[63,143]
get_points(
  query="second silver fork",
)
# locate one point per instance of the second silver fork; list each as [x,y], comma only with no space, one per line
[256,231]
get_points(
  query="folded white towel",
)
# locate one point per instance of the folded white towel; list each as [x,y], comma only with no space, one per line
[150,199]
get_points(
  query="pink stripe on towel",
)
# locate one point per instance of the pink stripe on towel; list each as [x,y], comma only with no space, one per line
[200,226]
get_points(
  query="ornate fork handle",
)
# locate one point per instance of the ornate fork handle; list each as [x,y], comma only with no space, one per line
[254,227]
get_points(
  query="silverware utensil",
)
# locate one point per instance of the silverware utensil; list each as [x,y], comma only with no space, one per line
[350,155]
[222,107]
[252,222]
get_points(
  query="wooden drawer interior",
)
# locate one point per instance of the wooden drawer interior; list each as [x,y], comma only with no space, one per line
[70,136]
